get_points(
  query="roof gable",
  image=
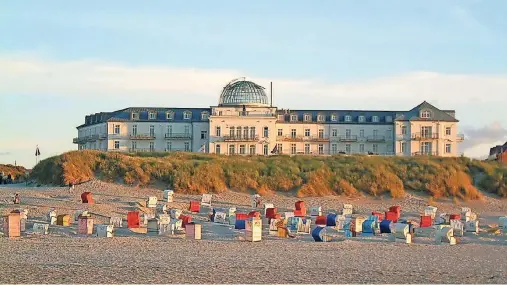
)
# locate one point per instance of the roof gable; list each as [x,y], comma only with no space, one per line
[415,114]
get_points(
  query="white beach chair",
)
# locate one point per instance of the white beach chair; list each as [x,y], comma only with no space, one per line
[168,196]
[206,200]
[151,202]
[315,211]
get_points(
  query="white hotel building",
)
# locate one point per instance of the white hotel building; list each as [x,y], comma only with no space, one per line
[244,123]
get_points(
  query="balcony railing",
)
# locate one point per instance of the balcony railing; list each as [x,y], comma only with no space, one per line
[82,140]
[424,136]
[351,138]
[424,153]
[142,136]
[142,150]
[244,114]
[460,137]
[401,137]
[239,138]
[176,150]
[92,138]
[303,138]
[118,136]
[102,136]
[178,136]
[302,152]
[375,138]
[290,138]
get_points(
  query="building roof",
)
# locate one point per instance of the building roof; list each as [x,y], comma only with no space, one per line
[124,115]
[330,116]
[242,92]
[436,114]
[499,149]
[384,117]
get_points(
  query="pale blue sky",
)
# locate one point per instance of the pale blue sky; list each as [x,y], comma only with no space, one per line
[64,59]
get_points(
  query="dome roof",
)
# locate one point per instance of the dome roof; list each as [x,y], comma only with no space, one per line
[242,92]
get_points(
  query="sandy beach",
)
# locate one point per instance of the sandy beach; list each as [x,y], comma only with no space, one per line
[223,256]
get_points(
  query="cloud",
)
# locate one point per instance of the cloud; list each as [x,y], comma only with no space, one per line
[24,74]
[473,96]
[483,138]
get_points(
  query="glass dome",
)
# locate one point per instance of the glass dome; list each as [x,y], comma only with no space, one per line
[242,92]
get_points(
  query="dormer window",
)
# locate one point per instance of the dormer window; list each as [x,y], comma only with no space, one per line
[308,118]
[280,117]
[294,118]
[152,115]
[135,116]
[425,114]
[204,116]
[334,118]
[348,118]
[361,119]
[320,118]
[187,115]
[169,115]
[374,119]
[389,119]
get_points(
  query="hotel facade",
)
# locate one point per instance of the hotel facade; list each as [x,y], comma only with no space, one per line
[244,123]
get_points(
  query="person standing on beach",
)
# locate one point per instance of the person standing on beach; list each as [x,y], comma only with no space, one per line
[71,187]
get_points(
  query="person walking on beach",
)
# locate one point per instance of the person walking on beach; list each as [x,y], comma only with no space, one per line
[16,199]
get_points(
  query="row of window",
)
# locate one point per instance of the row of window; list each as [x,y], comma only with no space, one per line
[187,115]
[169,146]
[242,149]
[237,131]
[246,131]
[294,150]
[334,118]
[250,131]
[426,130]
[426,147]
[242,132]
[204,134]
[334,133]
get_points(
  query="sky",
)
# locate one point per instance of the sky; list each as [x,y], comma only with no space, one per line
[62,60]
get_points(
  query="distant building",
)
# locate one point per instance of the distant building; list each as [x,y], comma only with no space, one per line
[244,123]
[499,153]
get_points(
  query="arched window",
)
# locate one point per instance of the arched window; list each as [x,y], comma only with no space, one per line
[425,114]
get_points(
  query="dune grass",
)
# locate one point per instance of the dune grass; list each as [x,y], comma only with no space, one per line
[17,172]
[306,175]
